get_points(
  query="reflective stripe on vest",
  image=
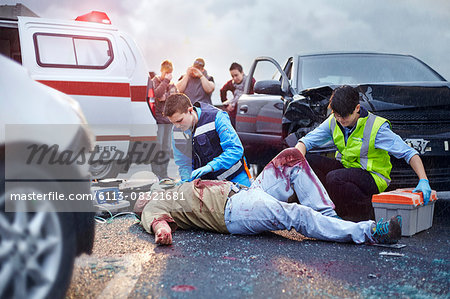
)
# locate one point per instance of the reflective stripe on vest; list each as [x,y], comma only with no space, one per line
[205,128]
[364,152]
[230,171]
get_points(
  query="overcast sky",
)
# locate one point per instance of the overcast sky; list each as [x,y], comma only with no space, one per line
[236,30]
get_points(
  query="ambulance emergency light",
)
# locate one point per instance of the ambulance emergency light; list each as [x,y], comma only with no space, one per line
[94,16]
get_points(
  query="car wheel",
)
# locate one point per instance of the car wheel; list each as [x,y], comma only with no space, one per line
[104,170]
[37,249]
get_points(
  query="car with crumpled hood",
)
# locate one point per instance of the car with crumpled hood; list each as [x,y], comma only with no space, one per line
[294,101]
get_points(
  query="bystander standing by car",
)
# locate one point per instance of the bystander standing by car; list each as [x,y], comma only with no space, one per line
[163,87]
[236,86]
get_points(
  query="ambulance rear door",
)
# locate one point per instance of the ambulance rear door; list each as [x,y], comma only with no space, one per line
[84,60]
[143,127]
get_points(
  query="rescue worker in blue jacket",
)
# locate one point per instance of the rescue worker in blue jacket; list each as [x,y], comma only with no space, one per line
[362,166]
[205,143]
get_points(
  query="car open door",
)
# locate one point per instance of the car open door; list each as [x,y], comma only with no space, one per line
[259,116]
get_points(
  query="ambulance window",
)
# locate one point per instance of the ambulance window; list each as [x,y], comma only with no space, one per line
[92,52]
[69,51]
[56,50]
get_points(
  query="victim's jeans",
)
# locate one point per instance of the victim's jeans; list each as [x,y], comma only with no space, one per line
[264,206]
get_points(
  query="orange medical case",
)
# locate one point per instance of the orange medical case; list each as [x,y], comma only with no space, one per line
[415,216]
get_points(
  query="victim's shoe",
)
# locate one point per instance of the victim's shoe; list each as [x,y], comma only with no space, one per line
[387,232]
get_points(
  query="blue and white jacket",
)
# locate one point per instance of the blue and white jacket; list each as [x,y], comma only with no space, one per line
[215,143]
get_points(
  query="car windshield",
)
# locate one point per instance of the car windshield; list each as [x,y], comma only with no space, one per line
[322,70]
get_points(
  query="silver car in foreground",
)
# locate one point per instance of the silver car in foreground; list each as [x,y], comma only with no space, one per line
[39,240]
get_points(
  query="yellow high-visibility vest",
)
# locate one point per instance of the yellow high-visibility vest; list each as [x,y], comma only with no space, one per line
[360,151]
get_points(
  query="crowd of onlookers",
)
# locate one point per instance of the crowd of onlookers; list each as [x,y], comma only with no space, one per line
[197,86]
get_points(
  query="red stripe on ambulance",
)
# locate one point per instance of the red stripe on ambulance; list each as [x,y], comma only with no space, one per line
[138,93]
[103,89]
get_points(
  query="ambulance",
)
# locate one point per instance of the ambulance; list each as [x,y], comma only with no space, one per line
[99,66]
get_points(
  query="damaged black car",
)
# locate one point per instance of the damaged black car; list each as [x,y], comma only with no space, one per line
[294,101]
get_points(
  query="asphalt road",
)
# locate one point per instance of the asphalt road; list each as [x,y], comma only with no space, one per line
[127,264]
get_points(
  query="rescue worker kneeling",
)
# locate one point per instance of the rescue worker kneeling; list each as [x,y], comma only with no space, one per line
[205,143]
[225,207]
[362,168]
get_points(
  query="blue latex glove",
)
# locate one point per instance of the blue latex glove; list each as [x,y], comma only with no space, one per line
[424,187]
[199,172]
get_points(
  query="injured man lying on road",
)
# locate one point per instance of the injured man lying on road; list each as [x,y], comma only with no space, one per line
[287,194]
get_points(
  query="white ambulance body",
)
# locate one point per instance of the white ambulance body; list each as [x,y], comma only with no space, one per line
[99,66]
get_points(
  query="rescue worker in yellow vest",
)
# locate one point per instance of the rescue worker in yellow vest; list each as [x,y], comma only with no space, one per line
[362,166]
